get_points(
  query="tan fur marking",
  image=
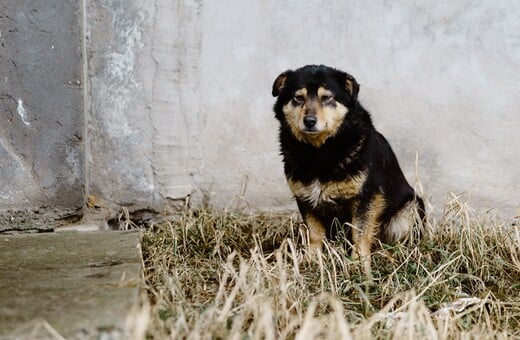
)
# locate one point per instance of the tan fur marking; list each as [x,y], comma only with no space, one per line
[316,232]
[334,117]
[351,85]
[365,232]
[318,192]
[294,117]
[301,92]
[344,189]
[323,92]
[316,140]
[279,83]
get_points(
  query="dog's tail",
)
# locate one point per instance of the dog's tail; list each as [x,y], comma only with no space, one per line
[421,219]
[421,210]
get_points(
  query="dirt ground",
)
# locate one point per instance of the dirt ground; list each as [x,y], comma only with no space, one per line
[68,284]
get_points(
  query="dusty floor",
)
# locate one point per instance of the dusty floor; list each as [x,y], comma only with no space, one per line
[71,284]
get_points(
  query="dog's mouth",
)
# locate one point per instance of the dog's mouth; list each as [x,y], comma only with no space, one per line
[311,131]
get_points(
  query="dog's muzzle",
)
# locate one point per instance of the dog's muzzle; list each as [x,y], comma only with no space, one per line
[310,122]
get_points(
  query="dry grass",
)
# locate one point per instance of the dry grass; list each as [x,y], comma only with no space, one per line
[210,275]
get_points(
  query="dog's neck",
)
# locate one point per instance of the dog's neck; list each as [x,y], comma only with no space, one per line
[339,152]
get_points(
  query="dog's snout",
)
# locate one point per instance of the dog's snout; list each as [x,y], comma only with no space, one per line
[309,121]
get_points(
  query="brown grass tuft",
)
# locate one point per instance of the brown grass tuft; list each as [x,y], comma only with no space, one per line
[234,276]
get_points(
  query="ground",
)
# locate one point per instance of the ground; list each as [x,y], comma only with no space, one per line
[220,274]
[68,284]
[230,275]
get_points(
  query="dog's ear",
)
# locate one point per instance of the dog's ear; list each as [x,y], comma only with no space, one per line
[280,82]
[352,87]
[350,84]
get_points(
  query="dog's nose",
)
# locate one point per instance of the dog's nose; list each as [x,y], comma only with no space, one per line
[309,121]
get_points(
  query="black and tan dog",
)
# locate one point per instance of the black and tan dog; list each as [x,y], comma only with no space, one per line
[338,166]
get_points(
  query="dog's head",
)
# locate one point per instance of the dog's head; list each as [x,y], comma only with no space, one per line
[314,101]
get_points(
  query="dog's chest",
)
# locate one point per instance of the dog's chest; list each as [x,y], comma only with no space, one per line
[317,193]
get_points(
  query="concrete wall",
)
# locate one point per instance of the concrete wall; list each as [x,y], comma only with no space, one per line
[119,150]
[177,97]
[183,93]
[41,107]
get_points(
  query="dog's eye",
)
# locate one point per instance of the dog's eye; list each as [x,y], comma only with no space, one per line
[298,99]
[326,99]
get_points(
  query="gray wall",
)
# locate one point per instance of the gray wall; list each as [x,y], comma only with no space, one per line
[41,106]
[440,79]
[178,96]
[119,149]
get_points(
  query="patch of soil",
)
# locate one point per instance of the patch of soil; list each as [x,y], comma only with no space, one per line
[43,219]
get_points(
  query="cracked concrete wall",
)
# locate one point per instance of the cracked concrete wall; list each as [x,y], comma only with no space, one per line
[178,96]
[181,99]
[119,149]
[143,122]
[41,107]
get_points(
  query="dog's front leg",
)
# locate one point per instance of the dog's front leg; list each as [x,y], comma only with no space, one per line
[316,233]
[366,224]
[363,236]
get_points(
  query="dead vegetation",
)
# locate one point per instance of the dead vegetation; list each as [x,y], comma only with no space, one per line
[237,276]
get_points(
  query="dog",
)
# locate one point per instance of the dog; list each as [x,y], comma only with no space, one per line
[341,171]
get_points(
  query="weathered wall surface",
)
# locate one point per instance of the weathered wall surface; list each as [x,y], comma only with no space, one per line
[119,169]
[178,98]
[41,107]
[182,102]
